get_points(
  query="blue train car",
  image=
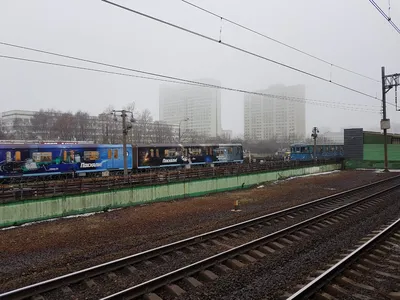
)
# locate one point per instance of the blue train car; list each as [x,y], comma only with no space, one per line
[304,152]
[30,160]
[44,159]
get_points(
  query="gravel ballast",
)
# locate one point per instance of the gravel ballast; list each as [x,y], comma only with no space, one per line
[29,254]
[278,273]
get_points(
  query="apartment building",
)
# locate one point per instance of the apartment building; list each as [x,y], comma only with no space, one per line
[275,113]
[195,108]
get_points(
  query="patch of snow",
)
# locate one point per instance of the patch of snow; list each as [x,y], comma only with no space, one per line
[378,170]
[307,175]
[260,187]
[55,219]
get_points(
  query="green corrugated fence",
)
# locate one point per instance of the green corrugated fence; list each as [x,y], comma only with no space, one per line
[375,152]
[370,164]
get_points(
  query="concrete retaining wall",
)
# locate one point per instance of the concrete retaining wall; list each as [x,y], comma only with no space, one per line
[34,210]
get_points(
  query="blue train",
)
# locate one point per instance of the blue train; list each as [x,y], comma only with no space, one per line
[28,160]
[304,152]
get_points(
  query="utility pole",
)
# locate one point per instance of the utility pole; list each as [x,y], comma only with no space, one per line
[125,129]
[388,82]
[314,135]
[385,125]
[179,133]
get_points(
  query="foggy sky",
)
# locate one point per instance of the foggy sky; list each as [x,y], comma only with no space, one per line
[351,34]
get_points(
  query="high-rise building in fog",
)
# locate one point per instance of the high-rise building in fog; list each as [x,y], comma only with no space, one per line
[267,117]
[200,104]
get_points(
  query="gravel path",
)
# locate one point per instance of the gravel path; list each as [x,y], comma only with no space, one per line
[272,276]
[41,251]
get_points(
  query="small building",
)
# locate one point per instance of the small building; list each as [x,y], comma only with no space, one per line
[365,149]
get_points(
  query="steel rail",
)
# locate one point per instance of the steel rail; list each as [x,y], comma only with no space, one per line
[156,283]
[326,277]
[54,283]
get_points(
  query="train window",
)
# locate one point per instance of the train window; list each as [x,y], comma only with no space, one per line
[152,152]
[42,156]
[91,155]
[64,155]
[169,152]
[17,155]
[230,151]
[157,153]
[8,156]
[115,153]
[195,151]
[77,158]
[109,153]
[71,156]
[219,151]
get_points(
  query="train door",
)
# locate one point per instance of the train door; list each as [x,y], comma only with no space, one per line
[115,158]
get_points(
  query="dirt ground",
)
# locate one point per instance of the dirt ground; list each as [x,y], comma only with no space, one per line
[40,251]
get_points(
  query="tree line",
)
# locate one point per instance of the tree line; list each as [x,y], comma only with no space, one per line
[80,126]
[55,125]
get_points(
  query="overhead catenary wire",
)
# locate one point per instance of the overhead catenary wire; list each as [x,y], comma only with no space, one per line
[345,106]
[168,77]
[389,19]
[278,42]
[241,50]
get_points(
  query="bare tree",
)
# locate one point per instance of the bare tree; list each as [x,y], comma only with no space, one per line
[141,132]
[3,134]
[21,128]
[192,136]
[64,126]
[42,124]
[83,126]
[131,107]
[111,129]
[161,133]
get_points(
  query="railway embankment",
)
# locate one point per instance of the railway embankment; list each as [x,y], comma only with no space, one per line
[16,213]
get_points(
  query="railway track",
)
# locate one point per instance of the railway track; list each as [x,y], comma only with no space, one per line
[276,230]
[371,271]
[249,252]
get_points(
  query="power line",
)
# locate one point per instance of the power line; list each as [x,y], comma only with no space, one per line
[345,106]
[241,49]
[385,15]
[277,41]
[168,78]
